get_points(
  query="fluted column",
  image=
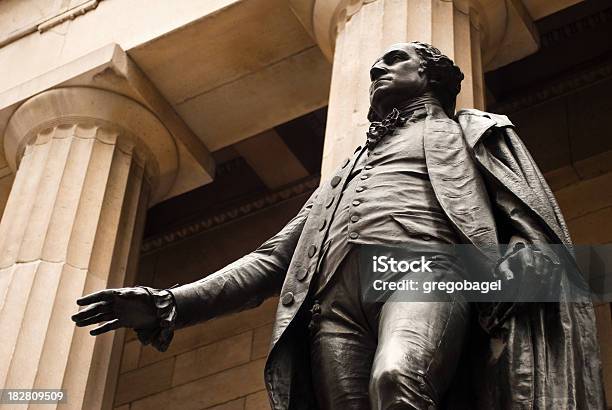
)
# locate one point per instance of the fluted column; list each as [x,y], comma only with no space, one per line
[88,163]
[362,30]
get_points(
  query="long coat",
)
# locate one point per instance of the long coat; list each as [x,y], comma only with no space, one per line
[542,357]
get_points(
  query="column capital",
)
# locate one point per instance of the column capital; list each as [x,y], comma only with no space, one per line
[91,113]
[110,68]
[507,31]
[321,17]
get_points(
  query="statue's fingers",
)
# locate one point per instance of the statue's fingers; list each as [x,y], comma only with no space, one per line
[528,259]
[523,268]
[549,270]
[108,326]
[541,266]
[558,269]
[101,295]
[99,318]
[92,310]
[504,271]
[544,274]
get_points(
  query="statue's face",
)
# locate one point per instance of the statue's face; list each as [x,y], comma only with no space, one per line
[396,78]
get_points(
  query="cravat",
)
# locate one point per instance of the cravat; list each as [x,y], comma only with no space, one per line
[379,129]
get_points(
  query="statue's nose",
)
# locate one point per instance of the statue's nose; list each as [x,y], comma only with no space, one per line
[376,72]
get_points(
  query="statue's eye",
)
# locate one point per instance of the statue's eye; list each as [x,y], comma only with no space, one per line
[397,57]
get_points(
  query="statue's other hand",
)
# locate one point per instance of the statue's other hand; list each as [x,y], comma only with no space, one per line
[534,274]
[123,307]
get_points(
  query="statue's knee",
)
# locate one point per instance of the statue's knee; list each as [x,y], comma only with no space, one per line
[385,381]
[394,388]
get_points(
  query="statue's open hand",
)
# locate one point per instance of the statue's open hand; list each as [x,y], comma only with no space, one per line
[123,307]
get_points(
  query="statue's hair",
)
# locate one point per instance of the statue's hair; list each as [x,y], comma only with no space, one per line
[444,77]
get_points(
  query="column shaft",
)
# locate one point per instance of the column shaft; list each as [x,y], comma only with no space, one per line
[73,219]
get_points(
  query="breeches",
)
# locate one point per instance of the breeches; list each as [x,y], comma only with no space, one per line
[382,355]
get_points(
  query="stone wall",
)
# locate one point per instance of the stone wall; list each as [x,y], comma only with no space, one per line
[216,365]
[587,207]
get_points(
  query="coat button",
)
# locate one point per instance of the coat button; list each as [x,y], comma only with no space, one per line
[335,181]
[329,203]
[360,189]
[345,163]
[312,250]
[353,235]
[302,274]
[323,225]
[368,167]
[287,299]
[356,202]
[426,237]
[363,177]
[354,218]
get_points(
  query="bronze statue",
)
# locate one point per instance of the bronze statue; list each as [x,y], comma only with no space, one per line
[424,177]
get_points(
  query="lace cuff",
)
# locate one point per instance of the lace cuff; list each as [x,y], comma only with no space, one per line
[161,335]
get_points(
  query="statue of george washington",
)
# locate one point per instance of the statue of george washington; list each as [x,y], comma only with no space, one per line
[424,177]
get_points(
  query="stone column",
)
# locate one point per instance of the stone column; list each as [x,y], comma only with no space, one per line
[359,31]
[88,163]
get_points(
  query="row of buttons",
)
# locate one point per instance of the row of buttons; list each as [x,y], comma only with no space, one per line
[303,273]
[357,202]
[288,298]
[335,181]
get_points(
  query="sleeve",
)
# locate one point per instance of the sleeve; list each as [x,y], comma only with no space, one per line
[161,335]
[245,283]
[518,225]
[517,228]
[502,152]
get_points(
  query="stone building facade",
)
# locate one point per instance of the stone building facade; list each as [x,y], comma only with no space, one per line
[153,142]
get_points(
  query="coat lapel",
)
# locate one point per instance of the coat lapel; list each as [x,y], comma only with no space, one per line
[329,194]
[457,184]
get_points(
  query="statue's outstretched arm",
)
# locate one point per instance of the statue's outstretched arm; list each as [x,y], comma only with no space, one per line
[155,313]
[244,283]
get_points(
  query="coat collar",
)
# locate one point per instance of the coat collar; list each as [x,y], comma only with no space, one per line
[475,123]
[435,111]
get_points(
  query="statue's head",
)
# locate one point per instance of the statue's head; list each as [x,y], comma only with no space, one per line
[409,70]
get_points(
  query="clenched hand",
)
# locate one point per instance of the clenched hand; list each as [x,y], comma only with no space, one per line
[530,271]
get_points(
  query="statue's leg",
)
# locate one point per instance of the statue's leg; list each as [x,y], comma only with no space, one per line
[419,346]
[341,363]
[342,342]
